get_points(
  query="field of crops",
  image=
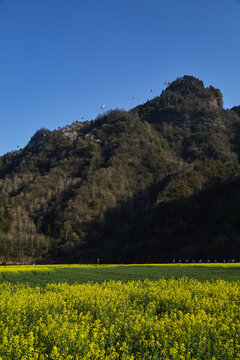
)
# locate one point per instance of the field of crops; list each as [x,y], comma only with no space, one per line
[43,274]
[170,319]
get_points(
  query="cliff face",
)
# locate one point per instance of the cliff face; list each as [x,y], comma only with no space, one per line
[148,185]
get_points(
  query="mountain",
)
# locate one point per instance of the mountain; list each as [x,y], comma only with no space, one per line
[156,183]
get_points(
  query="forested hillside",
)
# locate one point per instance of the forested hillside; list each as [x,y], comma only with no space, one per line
[161,181]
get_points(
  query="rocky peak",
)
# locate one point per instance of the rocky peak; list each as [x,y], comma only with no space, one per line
[184,102]
[190,89]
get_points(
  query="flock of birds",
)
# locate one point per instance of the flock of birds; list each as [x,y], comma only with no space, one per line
[167,83]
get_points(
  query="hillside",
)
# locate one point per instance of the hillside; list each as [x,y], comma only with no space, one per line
[161,181]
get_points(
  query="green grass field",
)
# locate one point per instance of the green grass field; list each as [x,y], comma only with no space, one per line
[43,274]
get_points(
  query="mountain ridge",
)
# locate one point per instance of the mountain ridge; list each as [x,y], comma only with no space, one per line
[120,187]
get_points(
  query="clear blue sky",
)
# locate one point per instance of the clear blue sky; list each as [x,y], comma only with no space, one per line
[61,59]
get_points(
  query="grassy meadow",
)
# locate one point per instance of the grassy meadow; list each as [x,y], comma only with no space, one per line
[120,312]
[43,274]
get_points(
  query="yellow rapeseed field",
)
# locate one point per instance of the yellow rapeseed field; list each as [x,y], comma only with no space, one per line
[166,319]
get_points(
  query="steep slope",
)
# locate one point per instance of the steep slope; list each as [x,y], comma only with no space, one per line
[146,185]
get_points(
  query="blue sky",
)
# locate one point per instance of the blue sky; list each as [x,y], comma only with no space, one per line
[61,59]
